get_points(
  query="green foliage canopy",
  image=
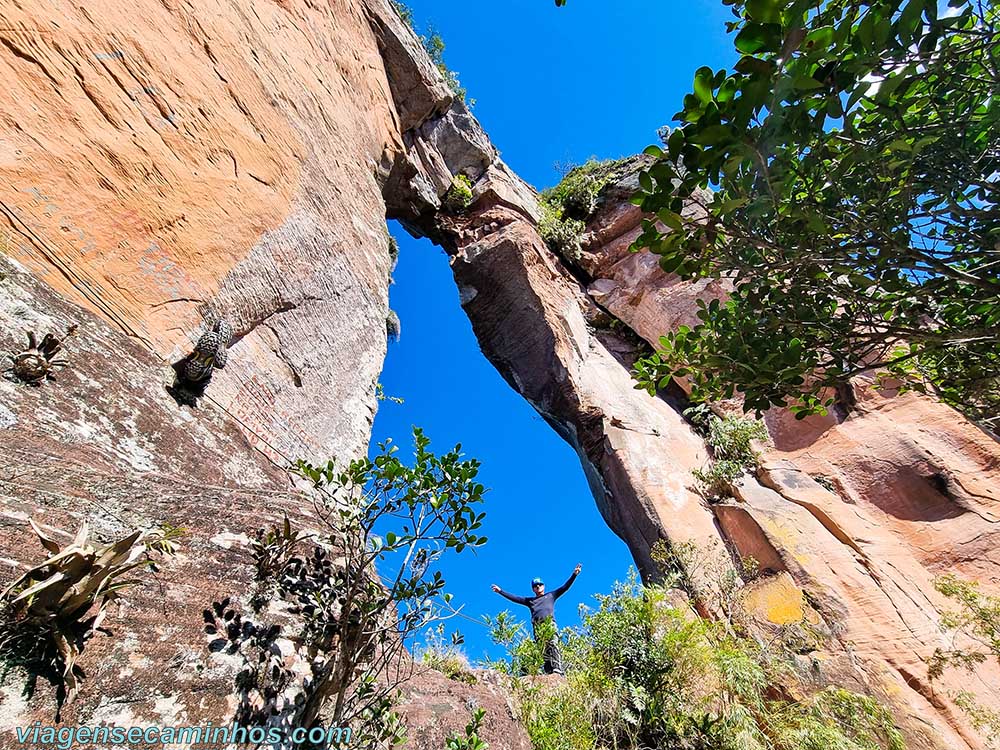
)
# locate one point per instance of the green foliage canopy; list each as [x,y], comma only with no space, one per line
[854,153]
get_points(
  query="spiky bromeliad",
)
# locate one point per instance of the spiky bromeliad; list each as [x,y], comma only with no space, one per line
[210,352]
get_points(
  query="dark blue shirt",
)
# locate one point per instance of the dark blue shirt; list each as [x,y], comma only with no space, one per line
[544,606]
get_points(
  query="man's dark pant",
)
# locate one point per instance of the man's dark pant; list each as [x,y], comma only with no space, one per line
[552,658]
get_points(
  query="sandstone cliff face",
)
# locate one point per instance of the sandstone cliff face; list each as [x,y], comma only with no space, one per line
[861,508]
[164,167]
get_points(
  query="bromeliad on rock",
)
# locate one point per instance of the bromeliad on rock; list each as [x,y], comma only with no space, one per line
[38,361]
[210,352]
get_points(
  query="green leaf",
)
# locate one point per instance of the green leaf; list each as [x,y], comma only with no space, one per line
[764,11]
[670,263]
[712,135]
[759,37]
[669,218]
[806,83]
[909,20]
[818,39]
[703,84]
[725,207]
[727,90]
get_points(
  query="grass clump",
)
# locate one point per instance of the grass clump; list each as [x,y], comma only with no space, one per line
[731,441]
[566,206]
[975,639]
[445,656]
[459,195]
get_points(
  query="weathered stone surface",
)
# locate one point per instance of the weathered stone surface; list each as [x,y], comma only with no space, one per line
[164,167]
[104,444]
[531,318]
[436,708]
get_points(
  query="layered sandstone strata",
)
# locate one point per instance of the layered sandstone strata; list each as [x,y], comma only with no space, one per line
[162,167]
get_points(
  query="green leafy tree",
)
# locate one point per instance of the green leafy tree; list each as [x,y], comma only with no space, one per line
[853,155]
[388,523]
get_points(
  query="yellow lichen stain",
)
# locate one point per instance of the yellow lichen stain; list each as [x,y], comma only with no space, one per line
[777,600]
[889,685]
[785,538]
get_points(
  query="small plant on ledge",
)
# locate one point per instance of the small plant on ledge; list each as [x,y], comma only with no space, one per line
[445,656]
[567,206]
[731,440]
[393,326]
[381,395]
[37,363]
[459,195]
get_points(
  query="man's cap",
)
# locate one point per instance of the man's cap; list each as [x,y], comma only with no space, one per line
[537,581]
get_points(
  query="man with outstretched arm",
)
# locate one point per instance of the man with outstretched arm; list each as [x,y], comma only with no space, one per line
[543,610]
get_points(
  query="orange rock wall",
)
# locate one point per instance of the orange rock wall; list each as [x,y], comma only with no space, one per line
[864,507]
[162,165]
[855,513]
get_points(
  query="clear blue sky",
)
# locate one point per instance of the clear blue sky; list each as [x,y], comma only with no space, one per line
[551,85]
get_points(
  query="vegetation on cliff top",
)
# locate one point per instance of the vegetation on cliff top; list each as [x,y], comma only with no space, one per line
[566,206]
[434,46]
[854,150]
